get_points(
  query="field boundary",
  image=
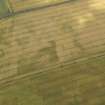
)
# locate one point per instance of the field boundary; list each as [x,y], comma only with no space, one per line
[34,9]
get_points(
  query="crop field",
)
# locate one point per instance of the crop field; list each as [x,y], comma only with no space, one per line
[54,55]
[73,84]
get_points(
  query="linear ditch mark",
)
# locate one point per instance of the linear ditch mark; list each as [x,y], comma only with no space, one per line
[12,80]
[35,9]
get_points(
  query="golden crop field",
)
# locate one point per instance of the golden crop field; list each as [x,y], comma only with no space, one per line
[54,55]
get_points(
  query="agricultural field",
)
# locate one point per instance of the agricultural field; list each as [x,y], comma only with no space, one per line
[72,84]
[54,55]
